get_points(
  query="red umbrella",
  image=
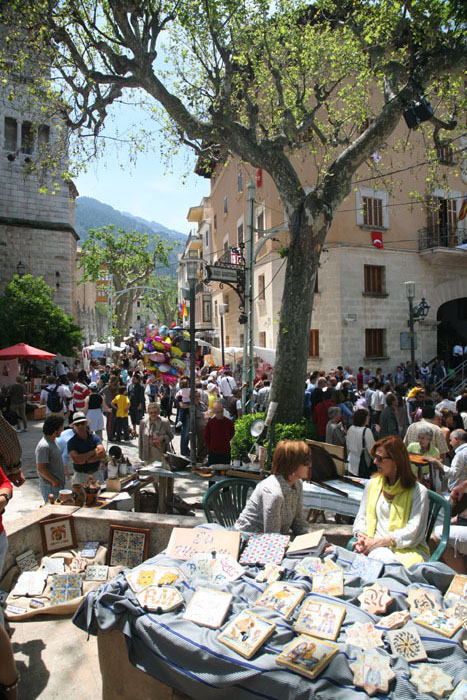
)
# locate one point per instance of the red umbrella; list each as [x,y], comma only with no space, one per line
[23,351]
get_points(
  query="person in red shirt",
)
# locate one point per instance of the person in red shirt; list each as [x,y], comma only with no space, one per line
[320,413]
[6,492]
[218,433]
[80,392]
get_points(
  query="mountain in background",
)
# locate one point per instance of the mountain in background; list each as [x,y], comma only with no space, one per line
[90,213]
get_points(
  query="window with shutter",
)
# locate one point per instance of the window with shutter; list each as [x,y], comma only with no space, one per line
[375,342]
[374,279]
[261,288]
[313,345]
[372,211]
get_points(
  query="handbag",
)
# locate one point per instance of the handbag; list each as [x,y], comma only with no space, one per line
[366,466]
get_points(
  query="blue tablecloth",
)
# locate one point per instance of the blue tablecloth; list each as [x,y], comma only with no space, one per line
[190,658]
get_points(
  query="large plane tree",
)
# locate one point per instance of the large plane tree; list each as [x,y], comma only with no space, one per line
[262,81]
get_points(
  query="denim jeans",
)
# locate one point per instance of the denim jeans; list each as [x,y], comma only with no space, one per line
[185,436]
[47,488]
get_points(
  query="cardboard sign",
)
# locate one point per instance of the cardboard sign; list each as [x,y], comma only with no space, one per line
[185,542]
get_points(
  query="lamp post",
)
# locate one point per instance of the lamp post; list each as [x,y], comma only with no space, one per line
[222,308]
[192,278]
[416,313]
[20,269]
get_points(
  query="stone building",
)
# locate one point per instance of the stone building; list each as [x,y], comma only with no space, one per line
[36,206]
[382,236]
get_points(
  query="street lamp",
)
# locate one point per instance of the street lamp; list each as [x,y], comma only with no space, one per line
[192,279]
[416,313]
[222,308]
[21,269]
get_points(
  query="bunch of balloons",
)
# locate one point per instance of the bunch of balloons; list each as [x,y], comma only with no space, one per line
[162,353]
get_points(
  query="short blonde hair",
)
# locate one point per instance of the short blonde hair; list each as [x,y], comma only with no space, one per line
[153,407]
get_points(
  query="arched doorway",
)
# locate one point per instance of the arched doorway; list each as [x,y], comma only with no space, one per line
[452,326]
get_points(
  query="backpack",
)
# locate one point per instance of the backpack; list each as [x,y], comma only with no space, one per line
[54,400]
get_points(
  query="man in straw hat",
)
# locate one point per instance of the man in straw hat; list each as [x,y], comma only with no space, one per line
[85,450]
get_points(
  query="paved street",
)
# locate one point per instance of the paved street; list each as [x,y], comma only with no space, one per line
[28,497]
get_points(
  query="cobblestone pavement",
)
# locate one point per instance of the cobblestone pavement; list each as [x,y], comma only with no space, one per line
[54,658]
[28,497]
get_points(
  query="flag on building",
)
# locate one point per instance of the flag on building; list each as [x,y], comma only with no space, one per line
[182,310]
[377,239]
[463,210]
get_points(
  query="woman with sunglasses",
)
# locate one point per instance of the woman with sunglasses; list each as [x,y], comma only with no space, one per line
[391,523]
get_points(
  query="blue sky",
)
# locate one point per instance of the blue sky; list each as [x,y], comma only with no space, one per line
[144,188]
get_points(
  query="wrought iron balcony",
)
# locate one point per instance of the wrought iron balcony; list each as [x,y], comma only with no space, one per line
[441,237]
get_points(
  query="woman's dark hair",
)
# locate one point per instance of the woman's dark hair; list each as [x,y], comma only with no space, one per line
[289,455]
[82,376]
[359,417]
[397,451]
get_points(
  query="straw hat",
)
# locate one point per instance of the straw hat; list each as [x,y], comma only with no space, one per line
[78,418]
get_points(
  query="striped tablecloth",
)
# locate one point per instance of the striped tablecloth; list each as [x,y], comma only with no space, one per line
[319,498]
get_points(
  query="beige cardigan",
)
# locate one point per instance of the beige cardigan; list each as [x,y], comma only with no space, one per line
[146,450]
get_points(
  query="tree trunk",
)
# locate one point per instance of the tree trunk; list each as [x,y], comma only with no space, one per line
[288,385]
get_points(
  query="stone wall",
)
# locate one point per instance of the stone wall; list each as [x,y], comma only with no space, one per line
[45,252]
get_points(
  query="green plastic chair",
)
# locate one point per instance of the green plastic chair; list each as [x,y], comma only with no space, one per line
[436,502]
[224,501]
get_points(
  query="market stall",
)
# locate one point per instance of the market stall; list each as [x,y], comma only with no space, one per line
[232,632]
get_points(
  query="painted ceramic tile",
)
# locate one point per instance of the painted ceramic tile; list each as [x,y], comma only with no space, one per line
[367,569]
[419,600]
[89,550]
[459,610]
[364,635]
[208,607]
[307,656]
[457,589]
[329,583]
[77,565]
[30,583]
[439,622]
[127,548]
[375,599]
[152,576]
[314,565]
[431,679]
[372,672]
[407,644]
[53,565]
[216,569]
[460,691]
[160,599]
[97,572]
[270,573]
[396,619]
[266,548]
[281,597]
[246,633]
[27,561]
[65,587]
[319,619]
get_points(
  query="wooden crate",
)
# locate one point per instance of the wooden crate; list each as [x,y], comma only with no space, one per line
[38,413]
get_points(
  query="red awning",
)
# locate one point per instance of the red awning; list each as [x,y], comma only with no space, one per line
[22,351]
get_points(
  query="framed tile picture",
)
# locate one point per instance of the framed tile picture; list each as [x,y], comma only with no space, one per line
[58,534]
[128,546]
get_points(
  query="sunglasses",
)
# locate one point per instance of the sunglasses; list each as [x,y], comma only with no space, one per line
[378,458]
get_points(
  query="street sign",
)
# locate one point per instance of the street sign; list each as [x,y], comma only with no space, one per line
[216,273]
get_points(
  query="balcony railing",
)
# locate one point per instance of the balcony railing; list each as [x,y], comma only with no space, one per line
[441,237]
